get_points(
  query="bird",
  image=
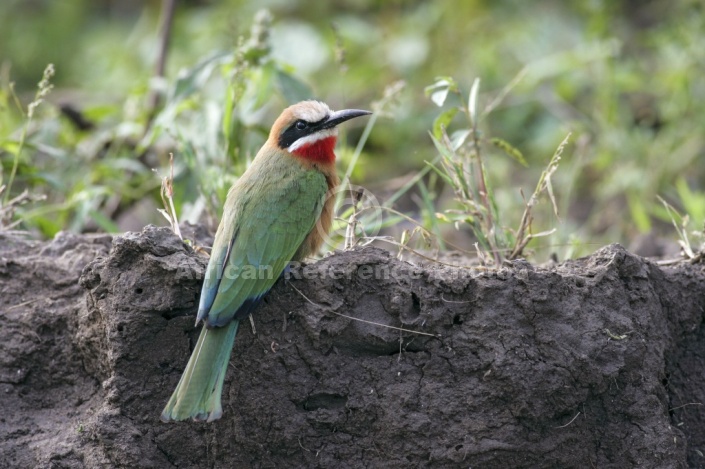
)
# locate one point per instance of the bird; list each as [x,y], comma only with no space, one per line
[278,211]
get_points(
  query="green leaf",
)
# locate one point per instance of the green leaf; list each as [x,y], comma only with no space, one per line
[441,173]
[195,78]
[458,138]
[472,101]
[510,150]
[693,202]
[293,89]
[227,124]
[51,179]
[47,226]
[442,121]
[445,152]
[103,222]
[259,88]
[439,90]
[100,112]
[10,146]
[639,214]
[681,227]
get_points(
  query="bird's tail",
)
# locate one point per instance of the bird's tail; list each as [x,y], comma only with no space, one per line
[197,396]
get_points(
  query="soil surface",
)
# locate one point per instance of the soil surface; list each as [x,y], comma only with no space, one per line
[597,362]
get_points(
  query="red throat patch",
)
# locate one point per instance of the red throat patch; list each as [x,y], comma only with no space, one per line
[320,151]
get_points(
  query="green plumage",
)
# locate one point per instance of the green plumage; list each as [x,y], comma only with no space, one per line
[268,213]
[197,395]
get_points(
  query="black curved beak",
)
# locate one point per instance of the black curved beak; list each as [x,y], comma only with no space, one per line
[339,117]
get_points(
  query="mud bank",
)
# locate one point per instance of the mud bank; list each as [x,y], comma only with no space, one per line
[598,362]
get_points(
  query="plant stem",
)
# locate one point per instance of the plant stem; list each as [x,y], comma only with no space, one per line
[168,8]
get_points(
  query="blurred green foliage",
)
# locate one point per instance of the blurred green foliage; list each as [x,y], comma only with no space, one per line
[625,77]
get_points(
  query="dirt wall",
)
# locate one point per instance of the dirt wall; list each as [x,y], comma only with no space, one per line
[597,362]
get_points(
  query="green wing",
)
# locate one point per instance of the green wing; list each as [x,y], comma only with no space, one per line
[265,221]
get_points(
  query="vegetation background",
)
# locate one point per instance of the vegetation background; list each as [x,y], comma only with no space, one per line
[88,149]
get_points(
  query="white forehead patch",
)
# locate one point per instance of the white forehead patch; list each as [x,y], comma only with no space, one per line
[312,111]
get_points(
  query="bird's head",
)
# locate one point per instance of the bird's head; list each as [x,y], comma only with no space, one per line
[309,130]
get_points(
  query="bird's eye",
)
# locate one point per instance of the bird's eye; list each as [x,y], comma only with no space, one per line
[301,125]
